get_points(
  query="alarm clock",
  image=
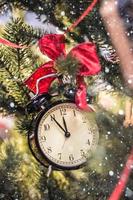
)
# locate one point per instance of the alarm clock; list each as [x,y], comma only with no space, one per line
[64,136]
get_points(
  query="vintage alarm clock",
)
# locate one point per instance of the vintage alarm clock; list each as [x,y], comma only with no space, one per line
[62,136]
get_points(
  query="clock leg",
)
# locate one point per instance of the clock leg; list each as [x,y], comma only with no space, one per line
[49,170]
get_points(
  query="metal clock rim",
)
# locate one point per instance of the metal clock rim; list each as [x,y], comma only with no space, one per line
[34,155]
[38,118]
[30,132]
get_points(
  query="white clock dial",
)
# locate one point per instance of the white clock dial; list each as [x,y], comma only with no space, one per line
[66,136]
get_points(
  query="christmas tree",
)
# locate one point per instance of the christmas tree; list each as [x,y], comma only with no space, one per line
[21,176]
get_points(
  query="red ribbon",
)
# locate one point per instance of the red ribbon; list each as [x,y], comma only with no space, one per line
[123,179]
[53,45]
[10,44]
[85,13]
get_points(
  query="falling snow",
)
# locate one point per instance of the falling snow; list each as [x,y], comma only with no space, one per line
[62,13]
[12,105]
[111,173]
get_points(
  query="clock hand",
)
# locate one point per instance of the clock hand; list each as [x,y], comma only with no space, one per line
[67,134]
[64,122]
[58,124]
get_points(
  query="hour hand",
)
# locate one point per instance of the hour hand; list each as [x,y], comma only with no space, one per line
[67,134]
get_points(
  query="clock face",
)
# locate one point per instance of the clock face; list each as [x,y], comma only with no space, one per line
[66,136]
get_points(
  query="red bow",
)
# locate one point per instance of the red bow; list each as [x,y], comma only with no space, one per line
[53,45]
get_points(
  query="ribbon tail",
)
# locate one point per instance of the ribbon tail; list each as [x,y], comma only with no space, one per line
[10,44]
[85,13]
[40,81]
[81,95]
[123,179]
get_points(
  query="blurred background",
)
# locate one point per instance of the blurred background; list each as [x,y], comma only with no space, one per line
[21,176]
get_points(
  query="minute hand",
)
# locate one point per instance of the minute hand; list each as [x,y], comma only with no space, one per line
[59,125]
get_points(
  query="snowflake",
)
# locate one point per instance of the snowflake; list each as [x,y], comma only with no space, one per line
[106,70]
[62,13]
[108,87]
[12,105]
[111,173]
[129,81]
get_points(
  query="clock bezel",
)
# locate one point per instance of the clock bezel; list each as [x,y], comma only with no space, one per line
[34,153]
[37,121]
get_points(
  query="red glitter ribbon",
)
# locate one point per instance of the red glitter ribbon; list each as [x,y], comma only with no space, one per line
[85,13]
[123,179]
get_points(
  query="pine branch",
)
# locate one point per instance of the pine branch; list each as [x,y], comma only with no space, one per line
[15,62]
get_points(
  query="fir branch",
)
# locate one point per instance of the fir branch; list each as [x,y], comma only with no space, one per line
[13,61]
[19,84]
